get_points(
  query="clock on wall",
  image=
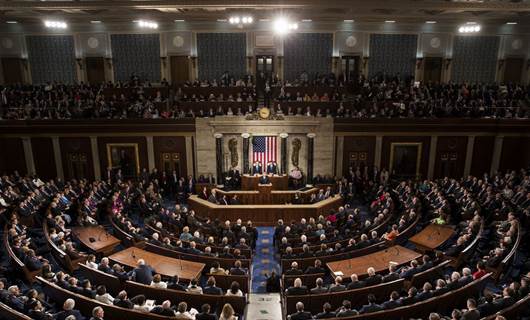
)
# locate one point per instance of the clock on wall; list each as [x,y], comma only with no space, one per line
[264,113]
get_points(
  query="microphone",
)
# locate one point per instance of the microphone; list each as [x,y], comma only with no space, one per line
[133,255]
[180,262]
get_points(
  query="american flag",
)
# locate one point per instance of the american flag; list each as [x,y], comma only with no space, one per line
[264,149]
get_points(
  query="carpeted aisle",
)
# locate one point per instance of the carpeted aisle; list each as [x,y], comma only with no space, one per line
[264,260]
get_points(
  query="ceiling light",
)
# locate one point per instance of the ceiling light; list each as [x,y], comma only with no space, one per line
[430,22]
[95,21]
[469,28]
[148,24]
[281,26]
[243,20]
[264,20]
[471,22]
[55,24]
[511,22]
[306,20]
[12,22]
[390,21]
[179,20]
[348,20]
[222,20]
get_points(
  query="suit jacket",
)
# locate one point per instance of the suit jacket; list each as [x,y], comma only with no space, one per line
[391,277]
[301,315]
[64,314]
[143,274]
[213,290]
[390,304]
[205,316]
[471,315]
[264,180]
[367,308]
[296,291]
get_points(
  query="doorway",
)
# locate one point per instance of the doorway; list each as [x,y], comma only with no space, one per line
[180,69]
[350,67]
[513,68]
[265,65]
[432,69]
[95,70]
[12,69]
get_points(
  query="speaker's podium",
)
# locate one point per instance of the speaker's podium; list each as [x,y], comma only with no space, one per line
[265,194]
[277,182]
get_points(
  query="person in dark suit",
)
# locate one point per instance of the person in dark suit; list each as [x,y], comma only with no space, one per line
[373,278]
[297,289]
[237,270]
[264,179]
[346,310]
[213,198]
[175,285]
[205,313]
[392,274]
[256,168]
[337,286]
[300,314]
[294,271]
[319,287]
[211,288]
[355,283]
[371,306]
[143,273]
[393,302]
[123,301]
[326,312]
[164,309]
[68,310]
[32,262]
[472,312]
[13,299]
[272,168]
[317,268]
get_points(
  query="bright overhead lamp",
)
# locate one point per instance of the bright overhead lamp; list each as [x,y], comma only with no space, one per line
[348,20]
[179,20]
[430,22]
[55,24]
[511,22]
[147,24]
[390,21]
[12,22]
[306,20]
[95,21]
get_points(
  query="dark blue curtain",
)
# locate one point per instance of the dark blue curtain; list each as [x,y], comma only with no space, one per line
[51,58]
[392,54]
[220,52]
[474,58]
[309,52]
[137,54]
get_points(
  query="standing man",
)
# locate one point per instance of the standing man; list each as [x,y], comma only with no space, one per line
[256,168]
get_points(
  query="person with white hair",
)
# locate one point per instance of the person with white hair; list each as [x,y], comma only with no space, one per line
[68,311]
[143,273]
[104,265]
[297,288]
[300,313]
[164,309]
[97,313]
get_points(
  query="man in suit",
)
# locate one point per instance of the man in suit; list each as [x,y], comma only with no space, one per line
[234,177]
[13,299]
[300,314]
[237,270]
[212,198]
[123,301]
[393,302]
[68,310]
[371,306]
[164,309]
[211,288]
[143,273]
[205,313]
[472,312]
[315,269]
[392,274]
[373,278]
[264,179]
[346,310]
[337,286]
[326,312]
[272,168]
[294,271]
[319,287]
[256,168]
[297,289]
[355,283]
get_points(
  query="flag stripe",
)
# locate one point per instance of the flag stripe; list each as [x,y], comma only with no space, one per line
[264,150]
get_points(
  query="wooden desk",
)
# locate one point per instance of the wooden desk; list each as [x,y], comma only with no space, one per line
[267,196]
[378,260]
[96,238]
[166,266]
[249,182]
[432,237]
[263,215]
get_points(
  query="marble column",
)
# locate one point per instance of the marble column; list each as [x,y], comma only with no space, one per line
[497,151]
[219,157]
[339,154]
[151,163]
[378,151]
[95,157]
[310,156]
[283,152]
[246,146]
[58,159]
[432,157]
[469,155]
[189,156]
[28,155]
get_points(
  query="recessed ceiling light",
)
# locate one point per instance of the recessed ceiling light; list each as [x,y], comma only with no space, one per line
[306,20]
[264,20]
[12,22]
[390,21]
[471,22]
[348,20]
[430,22]
[511,22]
[95,21]
[222,20]
[179,20]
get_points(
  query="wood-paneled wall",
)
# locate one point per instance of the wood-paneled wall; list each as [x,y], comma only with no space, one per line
[44,157]
[12,156]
